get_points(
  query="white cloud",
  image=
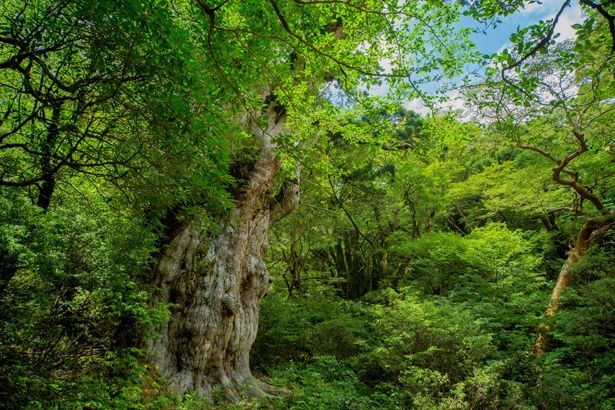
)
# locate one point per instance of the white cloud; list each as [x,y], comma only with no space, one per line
[541,8]
[531,8]
[572,15]
[547,10]
[452,101]
[380,90]
[417,105]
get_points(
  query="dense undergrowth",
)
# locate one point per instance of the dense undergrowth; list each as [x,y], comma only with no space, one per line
[415,271]
[409,349]
[74,313]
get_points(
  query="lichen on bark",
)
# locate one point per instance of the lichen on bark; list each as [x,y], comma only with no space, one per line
[215,283]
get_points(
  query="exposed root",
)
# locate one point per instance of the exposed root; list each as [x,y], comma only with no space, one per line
[273,390]
[249,389]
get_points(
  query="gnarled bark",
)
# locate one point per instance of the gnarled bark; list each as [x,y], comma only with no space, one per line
[216,283]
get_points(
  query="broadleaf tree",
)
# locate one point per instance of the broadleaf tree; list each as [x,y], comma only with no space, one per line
[556,103]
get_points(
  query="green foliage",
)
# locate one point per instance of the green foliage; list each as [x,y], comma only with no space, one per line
[409,352]
[306,328]
[324,384]
[582,358]
[74,300]
[417,266]
[466,350]
[452,328]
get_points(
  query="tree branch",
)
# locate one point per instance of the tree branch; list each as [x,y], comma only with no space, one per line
[542,43]
[608,17]
[340,203]
[539,150]
[284,203]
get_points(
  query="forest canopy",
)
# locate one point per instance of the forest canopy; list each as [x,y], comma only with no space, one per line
[305,204]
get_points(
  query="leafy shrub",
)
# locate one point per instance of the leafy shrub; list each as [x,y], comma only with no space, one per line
[75,307]
[301,329]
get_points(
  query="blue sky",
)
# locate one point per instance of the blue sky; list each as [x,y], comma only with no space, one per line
[491,41]
[495,39]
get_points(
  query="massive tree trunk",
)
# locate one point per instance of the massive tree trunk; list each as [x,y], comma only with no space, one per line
[216,283]
[592,229]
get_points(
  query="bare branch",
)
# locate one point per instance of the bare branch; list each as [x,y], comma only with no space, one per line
[539,150]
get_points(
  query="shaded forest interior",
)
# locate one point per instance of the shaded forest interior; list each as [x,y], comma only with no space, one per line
[301,204]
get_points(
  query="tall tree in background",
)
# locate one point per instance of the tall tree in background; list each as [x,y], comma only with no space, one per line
[275,58]
[559,105]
